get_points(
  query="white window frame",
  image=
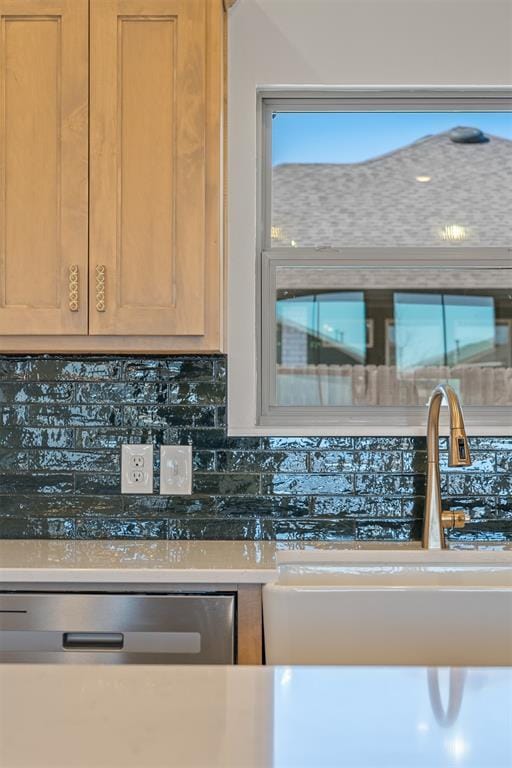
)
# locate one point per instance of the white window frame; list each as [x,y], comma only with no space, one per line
[353,420]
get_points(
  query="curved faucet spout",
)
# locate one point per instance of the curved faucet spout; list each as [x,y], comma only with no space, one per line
[459,456]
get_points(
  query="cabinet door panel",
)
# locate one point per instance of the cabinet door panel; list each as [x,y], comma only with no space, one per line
[43,166]
[147,215]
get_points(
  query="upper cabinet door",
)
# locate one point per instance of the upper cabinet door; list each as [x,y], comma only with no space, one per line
[43,166]
[148,154]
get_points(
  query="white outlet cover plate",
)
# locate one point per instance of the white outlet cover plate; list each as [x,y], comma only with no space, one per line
[176,470]
[137,469]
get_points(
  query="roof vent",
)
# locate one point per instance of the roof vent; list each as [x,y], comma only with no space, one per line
[465,135]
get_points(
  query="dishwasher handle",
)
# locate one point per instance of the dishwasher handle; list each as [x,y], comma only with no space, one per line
[92,641]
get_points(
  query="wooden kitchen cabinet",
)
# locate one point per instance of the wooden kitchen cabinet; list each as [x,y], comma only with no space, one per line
[149,77]
[43,166]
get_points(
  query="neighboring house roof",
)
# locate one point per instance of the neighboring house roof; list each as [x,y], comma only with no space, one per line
[379,202]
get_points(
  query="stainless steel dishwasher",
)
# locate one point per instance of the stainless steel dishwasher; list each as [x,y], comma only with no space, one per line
[90,628]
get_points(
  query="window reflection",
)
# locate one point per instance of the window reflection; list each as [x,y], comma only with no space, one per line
[446,329]
[370,342]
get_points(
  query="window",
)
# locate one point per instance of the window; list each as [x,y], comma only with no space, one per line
[386,261]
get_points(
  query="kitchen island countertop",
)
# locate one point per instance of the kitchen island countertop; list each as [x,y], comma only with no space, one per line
[68,716]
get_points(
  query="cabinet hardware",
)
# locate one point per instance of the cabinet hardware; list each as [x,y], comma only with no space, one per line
[73,288]
[100,287]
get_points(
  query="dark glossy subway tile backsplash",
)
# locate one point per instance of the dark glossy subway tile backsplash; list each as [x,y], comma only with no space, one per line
[63,420]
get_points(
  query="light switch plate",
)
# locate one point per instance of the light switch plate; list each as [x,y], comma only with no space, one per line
[136,469]
[176,470]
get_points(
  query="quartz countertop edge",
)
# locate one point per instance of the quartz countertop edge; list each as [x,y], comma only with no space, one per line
[136,562]
[40,561]
[65,575]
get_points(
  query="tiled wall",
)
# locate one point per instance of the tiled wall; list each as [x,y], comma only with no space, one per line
[62,421]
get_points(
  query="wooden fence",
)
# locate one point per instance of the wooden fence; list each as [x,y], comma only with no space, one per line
[385,385]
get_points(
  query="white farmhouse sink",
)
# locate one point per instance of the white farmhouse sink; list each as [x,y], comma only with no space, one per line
[405,608]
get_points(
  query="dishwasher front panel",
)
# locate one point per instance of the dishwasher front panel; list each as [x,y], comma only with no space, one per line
[117,628]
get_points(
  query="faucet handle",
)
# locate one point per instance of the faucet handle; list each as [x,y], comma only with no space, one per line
[454,519]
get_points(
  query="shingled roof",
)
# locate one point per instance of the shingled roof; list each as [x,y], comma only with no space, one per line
[379,202]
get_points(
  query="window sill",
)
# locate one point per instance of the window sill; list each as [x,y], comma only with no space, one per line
[367,430]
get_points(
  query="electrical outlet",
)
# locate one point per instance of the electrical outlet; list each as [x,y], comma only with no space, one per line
[137,469]
[176,470]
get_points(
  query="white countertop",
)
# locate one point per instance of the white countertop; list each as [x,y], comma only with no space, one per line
[201,562]
[254,717]
[117,561]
